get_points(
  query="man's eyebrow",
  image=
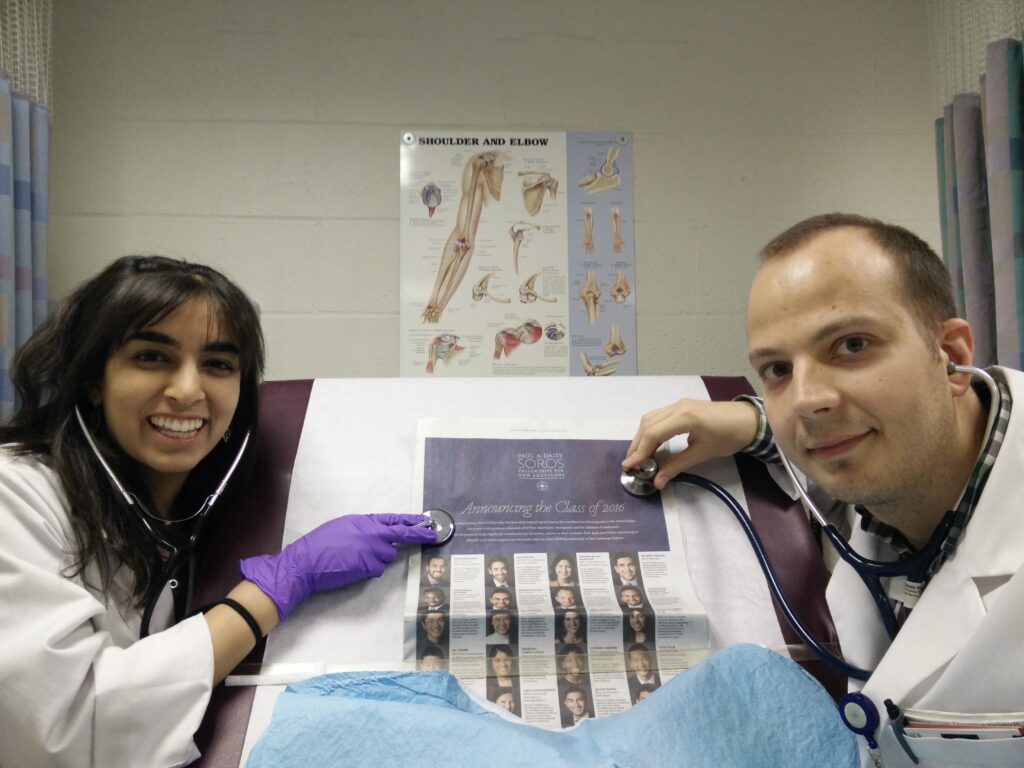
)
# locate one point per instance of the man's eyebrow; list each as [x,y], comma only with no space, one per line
[827,330]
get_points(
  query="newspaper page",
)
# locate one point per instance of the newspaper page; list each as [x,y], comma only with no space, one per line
[561,596]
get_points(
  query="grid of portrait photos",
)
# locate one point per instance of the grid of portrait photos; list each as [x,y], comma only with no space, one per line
[569,636]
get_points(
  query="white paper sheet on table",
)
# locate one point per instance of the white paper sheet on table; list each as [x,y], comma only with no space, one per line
[357,455]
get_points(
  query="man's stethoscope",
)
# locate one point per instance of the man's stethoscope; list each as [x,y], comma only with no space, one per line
[153,524]
[917,569]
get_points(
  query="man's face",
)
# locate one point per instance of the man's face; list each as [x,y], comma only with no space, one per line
[626,568]
[436,568]
[576,702]
[501,623]
[640,662]
[433,625]
[500,600]
[565,598]
[499,571]
[855,394]
[432,598]
[630,596]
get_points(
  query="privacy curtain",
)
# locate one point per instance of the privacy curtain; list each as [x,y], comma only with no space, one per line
[981,205]
[24,169]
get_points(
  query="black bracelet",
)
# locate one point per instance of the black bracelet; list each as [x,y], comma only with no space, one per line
[242,611]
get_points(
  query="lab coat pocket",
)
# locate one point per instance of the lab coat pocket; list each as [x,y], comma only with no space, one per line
[958,745]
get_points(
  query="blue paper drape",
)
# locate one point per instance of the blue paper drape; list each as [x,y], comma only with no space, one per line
[981,205]
[24,172]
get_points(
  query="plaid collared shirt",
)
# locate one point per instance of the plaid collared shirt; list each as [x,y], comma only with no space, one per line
[763,447]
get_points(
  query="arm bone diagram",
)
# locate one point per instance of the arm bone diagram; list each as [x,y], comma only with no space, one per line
[481,181]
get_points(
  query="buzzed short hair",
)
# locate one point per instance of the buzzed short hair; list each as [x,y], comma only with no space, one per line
[925,282]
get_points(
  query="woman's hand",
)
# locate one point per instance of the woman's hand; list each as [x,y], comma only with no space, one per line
[340,551]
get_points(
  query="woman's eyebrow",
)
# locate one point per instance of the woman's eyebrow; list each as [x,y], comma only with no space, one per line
[155,337]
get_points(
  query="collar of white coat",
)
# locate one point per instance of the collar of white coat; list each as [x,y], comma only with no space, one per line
[952,606]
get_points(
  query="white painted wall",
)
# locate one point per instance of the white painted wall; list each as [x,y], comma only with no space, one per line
[262,137]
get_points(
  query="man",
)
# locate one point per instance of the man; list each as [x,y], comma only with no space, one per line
[501,628]
[851,328]
[626,574]
[498,572]
[576,707]
[573,664]
[434,599]
[433,626]
[641,670]
[501,599]
[565,598]
[631,599]
[435,571]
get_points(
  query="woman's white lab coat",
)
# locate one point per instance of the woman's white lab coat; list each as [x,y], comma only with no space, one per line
[77,687]
[961,650]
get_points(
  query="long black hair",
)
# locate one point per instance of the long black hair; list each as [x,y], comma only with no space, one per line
[64,361]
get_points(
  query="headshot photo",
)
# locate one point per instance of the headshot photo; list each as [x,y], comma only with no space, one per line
[575,706]
[501,628]
[435,571]
[502,672]
[631,598]
[507,699]
[572,667]
[637,627]
[499,571]
[562,570]
[643,691]
[641,669]
[626,569]
[433,599]
[571,627]
[500,599]
[431,659]
[565,598]
[433,628]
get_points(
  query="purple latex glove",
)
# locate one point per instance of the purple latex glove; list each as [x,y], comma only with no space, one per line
[340,551]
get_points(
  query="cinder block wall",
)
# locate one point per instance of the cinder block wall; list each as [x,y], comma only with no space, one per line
[262,137]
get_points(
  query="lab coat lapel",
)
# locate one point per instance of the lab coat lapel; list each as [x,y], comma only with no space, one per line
[941,624]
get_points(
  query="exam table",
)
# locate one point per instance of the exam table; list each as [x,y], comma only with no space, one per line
[254,521]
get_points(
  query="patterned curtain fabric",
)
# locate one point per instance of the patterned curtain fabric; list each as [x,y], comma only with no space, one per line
[981,205]
[24,170]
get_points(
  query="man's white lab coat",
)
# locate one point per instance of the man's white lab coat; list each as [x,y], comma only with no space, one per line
[961,650]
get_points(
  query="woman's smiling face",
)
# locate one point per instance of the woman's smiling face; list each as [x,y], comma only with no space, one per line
[169,392]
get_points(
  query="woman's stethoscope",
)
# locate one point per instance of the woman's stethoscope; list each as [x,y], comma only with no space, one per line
[148,519]
[917,569]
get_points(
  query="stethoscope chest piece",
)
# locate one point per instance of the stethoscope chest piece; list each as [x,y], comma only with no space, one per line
[442,523]
[639,481]
[860,715]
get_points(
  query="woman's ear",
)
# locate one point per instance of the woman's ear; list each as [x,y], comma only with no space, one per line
[95,393]
[956,345]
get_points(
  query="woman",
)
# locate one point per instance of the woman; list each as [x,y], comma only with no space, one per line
[563,571]
[571,628]
[502,665]
[148,373]
[639,627]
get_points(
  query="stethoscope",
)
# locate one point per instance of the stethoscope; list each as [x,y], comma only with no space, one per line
[148,519]
[917,569]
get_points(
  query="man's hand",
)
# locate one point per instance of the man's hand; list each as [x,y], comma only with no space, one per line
[714,428]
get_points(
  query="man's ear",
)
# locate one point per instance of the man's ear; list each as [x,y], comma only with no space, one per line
[956,345]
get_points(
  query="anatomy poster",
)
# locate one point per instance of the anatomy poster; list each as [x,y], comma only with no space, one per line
[517,254]
[560,597]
